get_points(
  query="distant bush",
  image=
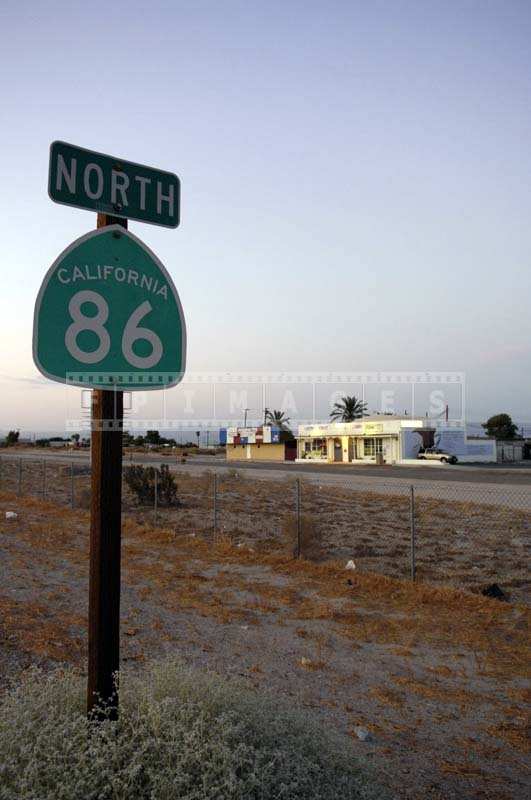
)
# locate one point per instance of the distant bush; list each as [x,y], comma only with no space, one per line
[141,482]
[311,545]
[84,498]
[12,438]
[180,734]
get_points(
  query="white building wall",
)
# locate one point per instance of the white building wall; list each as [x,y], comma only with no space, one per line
[401,439]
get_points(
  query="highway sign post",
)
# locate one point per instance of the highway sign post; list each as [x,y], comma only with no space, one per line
[108,185]
[105,550]
[108,318]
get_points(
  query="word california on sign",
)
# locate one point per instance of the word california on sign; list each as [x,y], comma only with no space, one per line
[109,313]
[103,272]
[105,184]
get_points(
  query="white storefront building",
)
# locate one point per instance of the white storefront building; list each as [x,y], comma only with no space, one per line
[388,439]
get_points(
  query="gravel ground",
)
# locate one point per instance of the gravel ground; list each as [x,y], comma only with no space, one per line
[466,537]
[437,676]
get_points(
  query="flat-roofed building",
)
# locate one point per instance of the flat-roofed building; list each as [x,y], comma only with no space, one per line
[264,443]
[387,439]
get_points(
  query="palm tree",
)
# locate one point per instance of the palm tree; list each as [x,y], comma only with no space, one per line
[277,419]
[348,409]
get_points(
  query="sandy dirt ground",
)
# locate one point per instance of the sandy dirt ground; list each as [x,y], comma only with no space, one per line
[468,540]
[436,674]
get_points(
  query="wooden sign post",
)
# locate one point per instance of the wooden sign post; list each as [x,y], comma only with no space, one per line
[105,542]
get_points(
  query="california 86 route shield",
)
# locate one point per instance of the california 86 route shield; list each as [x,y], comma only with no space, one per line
[108,316]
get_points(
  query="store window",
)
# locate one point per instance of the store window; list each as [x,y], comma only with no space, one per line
[372,446]
[315,448]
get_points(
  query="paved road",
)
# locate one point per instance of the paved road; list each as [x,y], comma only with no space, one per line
[463,474]
[496,486]
[460,473]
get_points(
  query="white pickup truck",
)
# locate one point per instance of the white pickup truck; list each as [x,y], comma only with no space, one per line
[434,454]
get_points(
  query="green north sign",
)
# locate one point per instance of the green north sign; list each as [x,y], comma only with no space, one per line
[108,316]
[109,185]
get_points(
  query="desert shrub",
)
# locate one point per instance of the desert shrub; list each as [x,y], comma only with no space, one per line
[84,498]
[180,734]
[141,482]
[311,545]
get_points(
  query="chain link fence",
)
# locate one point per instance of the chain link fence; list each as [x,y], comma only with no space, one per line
[461,533]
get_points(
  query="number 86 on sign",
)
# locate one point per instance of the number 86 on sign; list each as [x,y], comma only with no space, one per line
[108,316]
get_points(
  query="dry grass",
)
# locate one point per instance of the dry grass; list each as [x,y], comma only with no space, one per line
[41,634]
[468,544]
[517,733]
[388,697]
[469,637]
[303,535]
[401,613]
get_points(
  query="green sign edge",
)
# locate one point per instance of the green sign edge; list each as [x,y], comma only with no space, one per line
[44,286]
[123,161]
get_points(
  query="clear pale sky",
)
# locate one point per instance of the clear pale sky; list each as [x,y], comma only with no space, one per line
[356,180]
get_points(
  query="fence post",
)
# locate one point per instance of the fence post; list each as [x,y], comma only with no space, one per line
[298,497]
[44,479]
[19,477]
[215,506]
[413,531]
[156,495]
[72,498]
